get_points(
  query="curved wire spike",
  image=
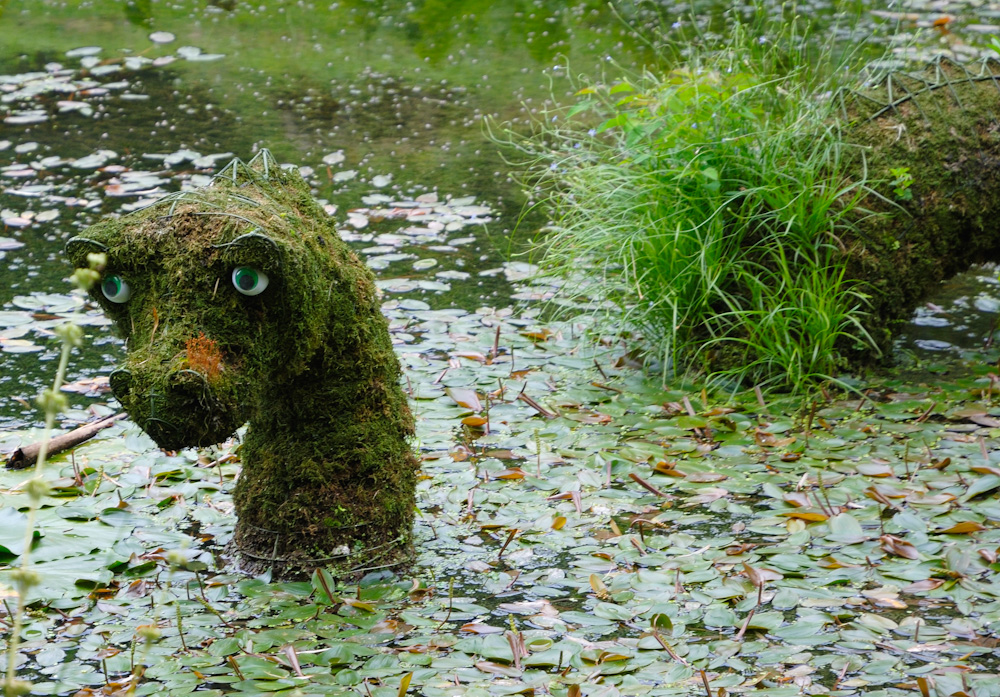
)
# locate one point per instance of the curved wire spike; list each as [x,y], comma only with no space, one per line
[88,246]
[231,172]
[245,199]
[185,197]
[227,215]
[256,242]
[989,69]
[263,162]
[254,235]
[940,75]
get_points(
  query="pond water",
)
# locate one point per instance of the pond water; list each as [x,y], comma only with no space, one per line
[107,105]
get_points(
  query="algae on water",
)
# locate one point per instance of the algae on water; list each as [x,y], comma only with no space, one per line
[239,302]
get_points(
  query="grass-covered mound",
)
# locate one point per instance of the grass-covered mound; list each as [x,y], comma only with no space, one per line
[761,219]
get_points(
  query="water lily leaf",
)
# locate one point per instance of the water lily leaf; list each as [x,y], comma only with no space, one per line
[982,485]
[704,477]
[69,578]
[610,611]
[13,527]
[875,469]
[690,422]
[846,529]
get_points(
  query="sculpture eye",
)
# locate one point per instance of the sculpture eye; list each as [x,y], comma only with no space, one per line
[116,289]
[249,281]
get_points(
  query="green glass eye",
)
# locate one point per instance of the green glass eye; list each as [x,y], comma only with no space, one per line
[116,289]
[249,281]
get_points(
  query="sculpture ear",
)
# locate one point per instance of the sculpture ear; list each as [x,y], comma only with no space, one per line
[77,249]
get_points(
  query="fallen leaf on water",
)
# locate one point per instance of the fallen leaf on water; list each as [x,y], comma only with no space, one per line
[928,584]
[538,335]
[760,575]
[472,355]
[464,397]
[769,440]
[811,516]
[797,498]
[874,469]
[668,469]
[480,628]
[985,469]
[898,547]
[706,495]
[706,477]
[963,528]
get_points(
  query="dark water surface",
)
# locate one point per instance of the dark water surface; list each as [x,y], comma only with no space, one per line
[109,104]
[105,105]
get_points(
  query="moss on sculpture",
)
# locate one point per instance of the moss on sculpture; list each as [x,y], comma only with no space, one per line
[942,124]
[238,302]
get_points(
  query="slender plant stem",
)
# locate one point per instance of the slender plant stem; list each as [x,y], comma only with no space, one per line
[14,643]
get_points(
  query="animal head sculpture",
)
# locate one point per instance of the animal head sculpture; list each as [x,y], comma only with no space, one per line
[238,302]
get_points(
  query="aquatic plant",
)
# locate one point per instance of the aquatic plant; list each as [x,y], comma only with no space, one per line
[238,303]
[52,401]
[708,203]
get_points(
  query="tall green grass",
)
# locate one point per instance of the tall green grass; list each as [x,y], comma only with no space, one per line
[708,203]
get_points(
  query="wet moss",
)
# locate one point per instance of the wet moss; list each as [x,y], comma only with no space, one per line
[942,124]
[328,475]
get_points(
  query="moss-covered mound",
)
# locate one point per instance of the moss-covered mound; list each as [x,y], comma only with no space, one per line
[238,303]
[943,124]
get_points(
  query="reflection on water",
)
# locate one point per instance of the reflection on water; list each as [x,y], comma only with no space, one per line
[962,316]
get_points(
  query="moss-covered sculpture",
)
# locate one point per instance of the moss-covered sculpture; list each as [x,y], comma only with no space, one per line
[239,302]
[943,124]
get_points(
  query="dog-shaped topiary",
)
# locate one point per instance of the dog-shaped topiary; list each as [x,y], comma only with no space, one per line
[239,302]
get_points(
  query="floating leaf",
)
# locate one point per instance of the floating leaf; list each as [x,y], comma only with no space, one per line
[899,547]
[480,628]
[359,604]
[811,516]
[846,529]
[928,584]
[962,528]
[465,397]
[760,575]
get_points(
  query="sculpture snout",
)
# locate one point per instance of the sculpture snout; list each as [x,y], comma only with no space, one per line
[181,398]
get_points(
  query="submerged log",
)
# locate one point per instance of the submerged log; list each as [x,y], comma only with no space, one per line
[943,124]
[26,456]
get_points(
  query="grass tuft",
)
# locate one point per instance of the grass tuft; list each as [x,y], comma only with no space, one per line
[707,202]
